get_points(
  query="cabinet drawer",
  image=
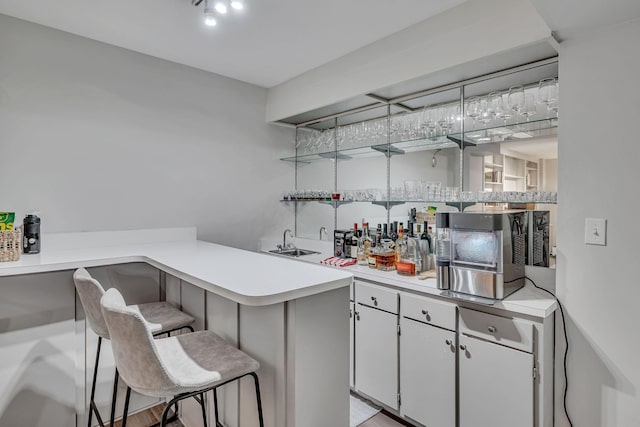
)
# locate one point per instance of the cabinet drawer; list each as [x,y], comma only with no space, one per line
[377,297]
[428,310]
[516,333]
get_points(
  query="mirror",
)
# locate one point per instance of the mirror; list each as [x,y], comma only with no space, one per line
[381,162]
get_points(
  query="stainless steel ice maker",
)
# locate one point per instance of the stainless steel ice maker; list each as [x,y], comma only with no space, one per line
[488,252]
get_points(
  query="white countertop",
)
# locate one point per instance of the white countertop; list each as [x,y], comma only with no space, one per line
[245,277]
[528,300]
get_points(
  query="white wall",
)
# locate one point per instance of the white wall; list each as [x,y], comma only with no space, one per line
[101,138]
[598,175]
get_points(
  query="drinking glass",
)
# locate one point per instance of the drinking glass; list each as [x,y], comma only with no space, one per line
[452,117]
[484,109]
[515,98]
[501,111]
[548,91]
[529,108]
[473,108]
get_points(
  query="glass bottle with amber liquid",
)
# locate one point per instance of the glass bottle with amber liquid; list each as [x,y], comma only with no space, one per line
[406,255]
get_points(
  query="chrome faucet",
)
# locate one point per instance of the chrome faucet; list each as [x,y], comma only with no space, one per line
[286,245]
[323,231]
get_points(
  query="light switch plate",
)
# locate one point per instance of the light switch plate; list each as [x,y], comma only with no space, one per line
[595,231]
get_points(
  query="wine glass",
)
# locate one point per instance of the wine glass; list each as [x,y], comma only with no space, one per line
[485,113]
[529,108]
[452,117]
[548,91]
[497,107]
[473,108]
[515,98]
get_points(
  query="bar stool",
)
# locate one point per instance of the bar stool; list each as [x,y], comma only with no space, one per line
[176,367]
[161,318]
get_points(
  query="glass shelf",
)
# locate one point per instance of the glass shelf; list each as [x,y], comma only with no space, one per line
[483,135]
[391,203]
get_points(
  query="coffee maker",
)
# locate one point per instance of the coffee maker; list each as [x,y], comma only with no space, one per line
[31,236]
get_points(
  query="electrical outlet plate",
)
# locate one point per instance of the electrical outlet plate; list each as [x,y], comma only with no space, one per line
[595,231]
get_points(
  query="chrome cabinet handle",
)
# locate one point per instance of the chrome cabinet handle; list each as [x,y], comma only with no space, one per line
[463,347]
[375,300]
[357,316]
[492,329]
[449,342]
[425,312]
[350,314]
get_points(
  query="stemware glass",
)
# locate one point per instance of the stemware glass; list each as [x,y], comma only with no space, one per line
[529,108]
[515,98]
[452,117]
[485,113]
[548,91]
[473,108]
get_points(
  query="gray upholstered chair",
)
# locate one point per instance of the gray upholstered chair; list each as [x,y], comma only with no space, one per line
[161,317]
[176,367]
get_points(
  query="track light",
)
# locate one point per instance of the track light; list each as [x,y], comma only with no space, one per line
[220,6]
[237,4]
[209,15]
[214,8]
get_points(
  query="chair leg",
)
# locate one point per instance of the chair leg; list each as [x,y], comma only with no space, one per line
[215,407]
[165,412]
[92,405]
[260,417]
[125,413]
[114,398]
[204,412]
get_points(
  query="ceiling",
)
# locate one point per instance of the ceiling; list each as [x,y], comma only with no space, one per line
[570,17]
[268,43]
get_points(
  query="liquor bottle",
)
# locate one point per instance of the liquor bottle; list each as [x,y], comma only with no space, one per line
[409,230]
[385,234]
[364,245]
[394,231]
[386,256]
[353,244]
[426,250]
[372,252]
[406,255]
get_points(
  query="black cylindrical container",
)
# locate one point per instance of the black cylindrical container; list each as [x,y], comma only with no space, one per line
[31,240]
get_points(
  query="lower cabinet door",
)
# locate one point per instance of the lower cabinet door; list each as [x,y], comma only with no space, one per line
[428,374]
[377,354]
[496,385]
[352,320]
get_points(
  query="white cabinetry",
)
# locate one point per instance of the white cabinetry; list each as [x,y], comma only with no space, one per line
[452,365]
[496,371]
[496,385]
[376,336]
[428,360]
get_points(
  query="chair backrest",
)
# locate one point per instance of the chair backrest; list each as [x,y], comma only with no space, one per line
[134,348]
[90,292]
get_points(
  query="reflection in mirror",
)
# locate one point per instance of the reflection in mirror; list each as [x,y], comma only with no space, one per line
[518,166]
[510,121]
[315,179]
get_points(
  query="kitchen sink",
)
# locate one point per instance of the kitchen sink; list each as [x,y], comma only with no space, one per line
[294,252]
